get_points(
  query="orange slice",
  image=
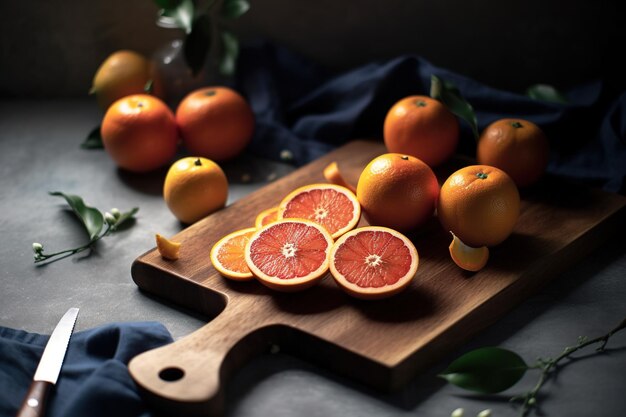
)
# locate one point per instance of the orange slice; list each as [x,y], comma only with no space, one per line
[227,255]
[373,262]
[289,255]
[467,257]
[332,206]
[333,176]
[167,248]
[266,217]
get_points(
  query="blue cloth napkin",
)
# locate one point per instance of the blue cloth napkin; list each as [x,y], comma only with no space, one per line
[94,379]
[306,111]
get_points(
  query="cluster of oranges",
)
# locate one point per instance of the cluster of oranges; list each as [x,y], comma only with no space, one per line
[141,133]
[478,204]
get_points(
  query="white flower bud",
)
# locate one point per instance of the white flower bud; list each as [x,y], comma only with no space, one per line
[116,213]
[484,413]
[37,247]
[457,413]
[109,218]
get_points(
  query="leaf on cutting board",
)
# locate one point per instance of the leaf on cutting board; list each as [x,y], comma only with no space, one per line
[92,218]
[93,140]
[486,370]
[451,97]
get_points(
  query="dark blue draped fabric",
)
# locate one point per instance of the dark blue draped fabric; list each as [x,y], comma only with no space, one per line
[94,379]
[307,111]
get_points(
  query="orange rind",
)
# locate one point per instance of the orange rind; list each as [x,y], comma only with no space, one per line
[167,249]
[467,257]
[266,217]
[373,262]
[289,255]
[227,255]
[333,175]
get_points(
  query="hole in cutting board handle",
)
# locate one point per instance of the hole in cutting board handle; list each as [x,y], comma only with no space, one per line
[171,374]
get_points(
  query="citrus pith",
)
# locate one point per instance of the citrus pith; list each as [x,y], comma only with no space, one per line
[373,262]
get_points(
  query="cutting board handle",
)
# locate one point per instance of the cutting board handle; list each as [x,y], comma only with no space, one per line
[186,377]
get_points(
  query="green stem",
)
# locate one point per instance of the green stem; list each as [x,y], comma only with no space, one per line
[548,366]
[41,257]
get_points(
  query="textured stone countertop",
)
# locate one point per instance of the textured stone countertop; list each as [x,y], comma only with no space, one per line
[39,152]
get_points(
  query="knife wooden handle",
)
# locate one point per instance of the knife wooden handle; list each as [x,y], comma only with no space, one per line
[35,400]
[186,377]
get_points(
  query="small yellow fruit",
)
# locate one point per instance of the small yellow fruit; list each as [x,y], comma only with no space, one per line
[194,188]
[123,73]
[167,248]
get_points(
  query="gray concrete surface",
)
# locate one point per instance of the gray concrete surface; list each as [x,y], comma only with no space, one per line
[39,152]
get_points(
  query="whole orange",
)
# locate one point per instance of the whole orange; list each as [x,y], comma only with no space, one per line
[516,146]
[397,191]
[421,127]
[139,133]
[121,74]
[480,204]
[194,188]
[215,122]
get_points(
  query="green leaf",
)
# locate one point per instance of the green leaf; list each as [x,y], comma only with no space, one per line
[148,88]
[230,52]
[197,44]
[92,218]
[545,92]
[180,16]
[167,4]
[232,9]
[125,217]
[486,370]
[451,97]
[93,140]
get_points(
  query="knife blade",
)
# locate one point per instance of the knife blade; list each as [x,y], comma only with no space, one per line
[49,367]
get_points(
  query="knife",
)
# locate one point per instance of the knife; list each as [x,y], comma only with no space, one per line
[49,366]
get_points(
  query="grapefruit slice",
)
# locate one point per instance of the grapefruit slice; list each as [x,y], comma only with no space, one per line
[167,249]
[266,217]
[334,207]
[373,262]
[333,176]
[227,255]
[467,257]
[289,255]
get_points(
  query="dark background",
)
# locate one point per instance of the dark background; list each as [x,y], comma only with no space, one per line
[53,48]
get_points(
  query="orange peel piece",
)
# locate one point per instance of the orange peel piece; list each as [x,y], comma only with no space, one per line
[167,248]
[332,174]
[467,257]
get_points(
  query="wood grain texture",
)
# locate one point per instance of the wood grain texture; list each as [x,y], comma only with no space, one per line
[381,343]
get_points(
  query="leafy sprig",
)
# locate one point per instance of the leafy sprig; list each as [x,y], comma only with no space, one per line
[446,92]
[201,25]
[491,370]
[96,224]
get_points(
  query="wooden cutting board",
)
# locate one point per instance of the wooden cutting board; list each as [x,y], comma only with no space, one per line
[381,343]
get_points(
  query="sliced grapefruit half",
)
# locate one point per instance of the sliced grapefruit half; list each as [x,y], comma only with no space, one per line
[373,262]
[227,255]
[289,255]
[334,207]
